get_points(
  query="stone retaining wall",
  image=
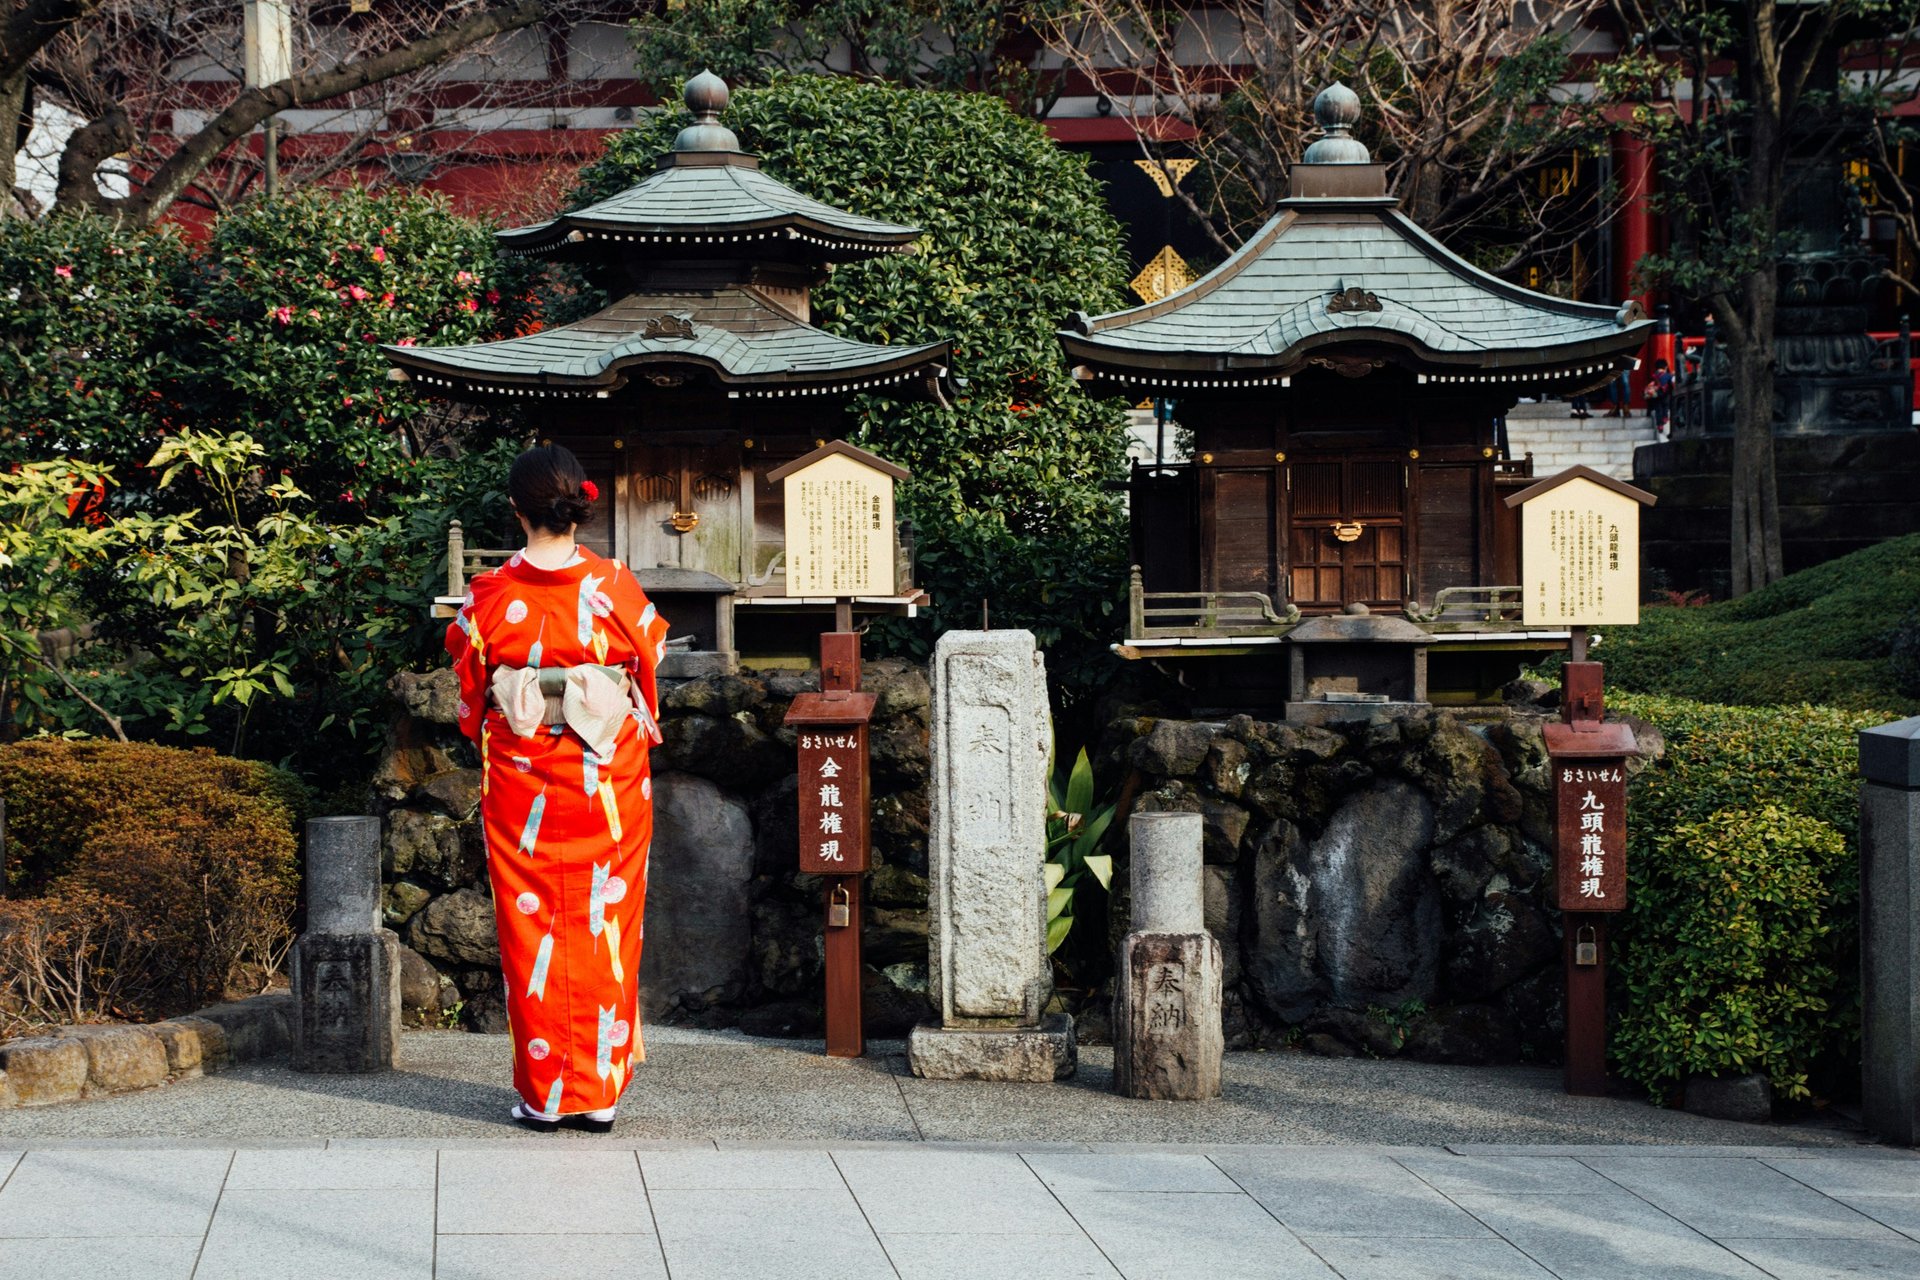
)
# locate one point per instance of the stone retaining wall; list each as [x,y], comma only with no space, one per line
[71,1063]
[1380,887]
[733,930]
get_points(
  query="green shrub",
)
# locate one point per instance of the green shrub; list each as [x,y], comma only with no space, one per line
[1739,975]
[1007,496]
[61,795]
[1739,950]
[1818,636]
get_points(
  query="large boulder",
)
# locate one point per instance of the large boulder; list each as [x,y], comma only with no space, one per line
[433,696]
[731,750]
[1504,941]
[457,927]
[698,919]
[1353,916]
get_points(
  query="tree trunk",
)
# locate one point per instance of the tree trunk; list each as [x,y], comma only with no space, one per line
[1755,504]
[13,105]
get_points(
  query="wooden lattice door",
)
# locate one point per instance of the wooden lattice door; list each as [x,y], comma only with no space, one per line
[1347,532]
[684,509]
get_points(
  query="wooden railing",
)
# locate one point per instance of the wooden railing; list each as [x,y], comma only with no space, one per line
[1468,609]
[1203,614]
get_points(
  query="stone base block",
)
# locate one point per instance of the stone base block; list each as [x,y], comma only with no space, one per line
[346,991]
[1034,1055]
[1320,714]
[1167,1033]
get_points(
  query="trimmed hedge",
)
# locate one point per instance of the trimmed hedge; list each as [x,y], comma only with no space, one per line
[143,881]
[1739,951]
[1829,635]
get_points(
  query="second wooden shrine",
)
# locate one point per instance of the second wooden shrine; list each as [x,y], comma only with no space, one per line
[1344,377]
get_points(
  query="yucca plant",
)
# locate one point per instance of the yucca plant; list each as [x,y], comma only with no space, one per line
[1075,829]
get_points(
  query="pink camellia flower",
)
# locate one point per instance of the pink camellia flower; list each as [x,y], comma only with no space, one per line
[387,298]
[493,295]
[347,400]
[471,305]
[404,342]
[463,277]
[283,315]
[379,253]
[358,294]
[601,603]
[65,273]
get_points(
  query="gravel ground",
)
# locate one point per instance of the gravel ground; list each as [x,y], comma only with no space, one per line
[712,1086]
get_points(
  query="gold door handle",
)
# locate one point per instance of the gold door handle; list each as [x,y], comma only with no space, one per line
[1347,531]
[684,521]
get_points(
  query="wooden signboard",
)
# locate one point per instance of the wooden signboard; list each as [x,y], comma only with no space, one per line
[839,522]
[1580,550]
[834,783]
[1590,815]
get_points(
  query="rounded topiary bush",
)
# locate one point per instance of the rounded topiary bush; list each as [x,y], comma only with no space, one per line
[1008,494]
[1734,972]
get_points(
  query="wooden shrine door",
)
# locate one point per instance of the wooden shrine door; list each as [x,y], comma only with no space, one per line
[683,509]
[1347,531]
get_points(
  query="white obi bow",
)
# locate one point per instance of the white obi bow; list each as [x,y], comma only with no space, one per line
[592,703]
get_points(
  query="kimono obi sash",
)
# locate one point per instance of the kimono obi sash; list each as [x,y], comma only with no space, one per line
[590,700]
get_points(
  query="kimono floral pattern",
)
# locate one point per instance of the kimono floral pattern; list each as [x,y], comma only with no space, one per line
[567,830]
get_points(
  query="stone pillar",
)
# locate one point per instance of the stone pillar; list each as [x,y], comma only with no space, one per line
[1167,1034]
[987,937]
[345,967]
[1890,931]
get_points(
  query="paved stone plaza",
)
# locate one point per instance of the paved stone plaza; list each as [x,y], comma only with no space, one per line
[744,1158]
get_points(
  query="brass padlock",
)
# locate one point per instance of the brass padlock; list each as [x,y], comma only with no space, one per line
[840,908]
[1586,950]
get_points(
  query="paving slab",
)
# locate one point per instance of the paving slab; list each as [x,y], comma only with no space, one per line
[1510,1175]
[523,1257]
[973,1256]
[1744,1198]
[1852,1175]
[801,1170]
[112,1193]
[280,1235]
[124,1258]
[820,1213]
[807,1258]
[1425,1258]
[1900,1213]
[1354,1195]
[1147,1171]
[915,1191]
[281,1169]
[1609,1236]
[1157,1235]
[1830,1259]
[554,1191]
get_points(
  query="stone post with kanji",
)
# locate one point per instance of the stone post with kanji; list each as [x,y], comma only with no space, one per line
[1168,1039]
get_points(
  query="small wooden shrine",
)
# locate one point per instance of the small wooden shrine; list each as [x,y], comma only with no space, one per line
[702,378]
[1344,377]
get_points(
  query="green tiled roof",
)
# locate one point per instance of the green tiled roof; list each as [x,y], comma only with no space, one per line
[739,338]
[714,197]
[1266,308]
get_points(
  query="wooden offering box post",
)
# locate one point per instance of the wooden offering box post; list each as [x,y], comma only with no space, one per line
[1580,567]
[839,538]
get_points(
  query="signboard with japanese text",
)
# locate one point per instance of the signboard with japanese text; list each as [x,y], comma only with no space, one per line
[1580,550]
[832,742]
[839,522]
[1590,815]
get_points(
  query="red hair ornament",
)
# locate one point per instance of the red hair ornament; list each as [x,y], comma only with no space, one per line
[591,489]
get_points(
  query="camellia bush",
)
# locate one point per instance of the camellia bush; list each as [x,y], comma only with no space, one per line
[1739,951]
[1008,494]
[207,477]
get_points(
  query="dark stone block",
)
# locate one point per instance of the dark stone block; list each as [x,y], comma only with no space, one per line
[1468,1033]
[1173,748]
[784,1020]
[1748,1098]
[346,991]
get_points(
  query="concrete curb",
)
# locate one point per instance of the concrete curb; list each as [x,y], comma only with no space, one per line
[72,1063]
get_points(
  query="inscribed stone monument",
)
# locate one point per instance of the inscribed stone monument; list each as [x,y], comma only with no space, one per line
[1168,1038]
[345,967]
[1890,931]
[987,952]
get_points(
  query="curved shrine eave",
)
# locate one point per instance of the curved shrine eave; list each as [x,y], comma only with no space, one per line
[703,202]
[732,341]
[1332,281]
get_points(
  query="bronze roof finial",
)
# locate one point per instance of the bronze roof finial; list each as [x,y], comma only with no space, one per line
[1337,109]
[706,96]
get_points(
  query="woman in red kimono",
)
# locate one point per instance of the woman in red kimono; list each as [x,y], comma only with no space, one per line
[556,652]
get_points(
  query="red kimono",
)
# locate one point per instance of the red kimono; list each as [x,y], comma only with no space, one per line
[567,830]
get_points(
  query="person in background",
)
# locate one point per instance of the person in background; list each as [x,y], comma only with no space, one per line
[556,652]
[1619,395]
[1660,397]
